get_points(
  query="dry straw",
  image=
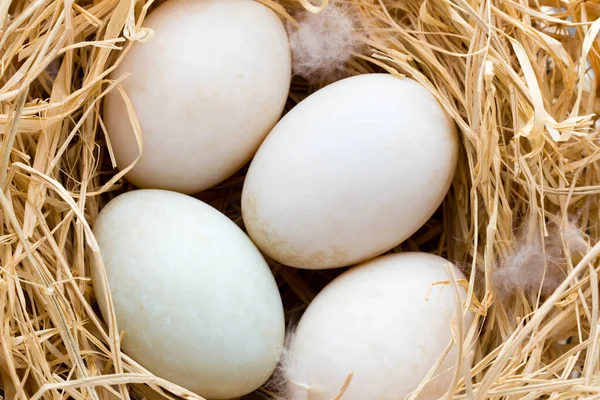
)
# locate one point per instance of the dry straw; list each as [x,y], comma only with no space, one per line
[517,78]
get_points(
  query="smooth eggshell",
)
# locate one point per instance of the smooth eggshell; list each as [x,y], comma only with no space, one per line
[350,172]
[383,321]
[197,301]
[207,88]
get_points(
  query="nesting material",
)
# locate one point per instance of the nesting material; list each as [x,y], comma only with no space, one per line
[323,43]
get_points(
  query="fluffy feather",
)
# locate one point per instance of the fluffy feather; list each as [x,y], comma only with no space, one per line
[322,43]
[538,265]
[285,379]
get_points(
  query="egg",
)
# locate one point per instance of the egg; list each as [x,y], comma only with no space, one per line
[197,302]
[207,88]
[383,321]
[350,172]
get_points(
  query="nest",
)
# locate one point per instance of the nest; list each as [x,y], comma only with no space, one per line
[517,77]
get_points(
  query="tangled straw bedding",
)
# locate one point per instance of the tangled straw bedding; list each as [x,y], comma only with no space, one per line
[518,80]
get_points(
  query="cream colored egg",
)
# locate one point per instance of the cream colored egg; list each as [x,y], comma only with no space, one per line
[385,322]
[195,298]
[207,88]
[350,172]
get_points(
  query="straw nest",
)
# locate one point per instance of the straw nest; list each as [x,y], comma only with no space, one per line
[518,80]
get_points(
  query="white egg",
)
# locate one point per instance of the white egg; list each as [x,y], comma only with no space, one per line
[383,321]
[350,172]
[195,298]
[207,88]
